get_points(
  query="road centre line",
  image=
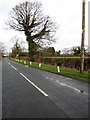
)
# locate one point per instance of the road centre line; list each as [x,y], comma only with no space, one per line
[8,63]
[34,85]
[13,67]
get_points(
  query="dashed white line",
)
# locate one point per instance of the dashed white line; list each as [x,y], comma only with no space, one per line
[45,94]
[13,67]
[8,63]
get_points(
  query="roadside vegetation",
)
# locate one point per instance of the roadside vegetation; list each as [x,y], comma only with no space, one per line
[85,76]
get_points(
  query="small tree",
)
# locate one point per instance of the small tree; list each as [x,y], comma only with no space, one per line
[58,53]
[16,49]
[76,50]
[51,51]
[66,51]
[28,17]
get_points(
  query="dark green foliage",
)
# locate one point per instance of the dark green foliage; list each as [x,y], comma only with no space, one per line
[51,51]
[23,54]
[76,50]
[59,63]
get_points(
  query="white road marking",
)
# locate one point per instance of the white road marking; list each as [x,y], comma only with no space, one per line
[26,66]
[13,67]
[34,85]
[63,84]
[85,93]
[8,63]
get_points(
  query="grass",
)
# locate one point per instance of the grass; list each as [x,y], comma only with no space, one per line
[85,76]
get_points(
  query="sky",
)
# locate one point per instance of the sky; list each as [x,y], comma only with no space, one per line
[67,14]
[89,24]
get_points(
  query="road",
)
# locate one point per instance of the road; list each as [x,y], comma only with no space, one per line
[32,93]
[0,89]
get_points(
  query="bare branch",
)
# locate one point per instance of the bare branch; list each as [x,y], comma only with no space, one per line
[28,17]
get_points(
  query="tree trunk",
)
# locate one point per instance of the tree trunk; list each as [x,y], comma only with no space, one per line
[30,41]
[30,50]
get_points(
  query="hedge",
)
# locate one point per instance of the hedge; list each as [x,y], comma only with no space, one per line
[73,63]
[67,62]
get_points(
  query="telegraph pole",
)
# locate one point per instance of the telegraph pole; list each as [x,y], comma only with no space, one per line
[83,35]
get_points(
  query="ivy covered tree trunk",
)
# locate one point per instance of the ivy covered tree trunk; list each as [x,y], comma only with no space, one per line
[30,45]
[30,50]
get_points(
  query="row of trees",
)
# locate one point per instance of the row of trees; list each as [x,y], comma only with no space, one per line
[18,50]
[75,50]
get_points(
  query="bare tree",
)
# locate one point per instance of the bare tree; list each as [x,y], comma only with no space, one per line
[17,40]
[17,46]
[16,49]
[38,28]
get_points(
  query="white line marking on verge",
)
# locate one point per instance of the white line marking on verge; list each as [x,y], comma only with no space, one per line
[26,66]
[63,84]
[34,85]
[85,93]
[13,67]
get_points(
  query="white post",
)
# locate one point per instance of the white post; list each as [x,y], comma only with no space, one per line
[39,64]
[30,63]
[58,68]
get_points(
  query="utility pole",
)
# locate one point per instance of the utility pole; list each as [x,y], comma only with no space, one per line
[83,35]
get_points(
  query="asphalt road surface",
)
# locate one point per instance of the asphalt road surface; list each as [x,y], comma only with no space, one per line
[32,93]
[0,89]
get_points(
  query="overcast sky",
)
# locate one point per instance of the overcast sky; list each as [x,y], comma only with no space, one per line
[89,25]
[66,13]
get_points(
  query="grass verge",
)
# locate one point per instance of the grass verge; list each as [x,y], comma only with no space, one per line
[85,76]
